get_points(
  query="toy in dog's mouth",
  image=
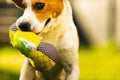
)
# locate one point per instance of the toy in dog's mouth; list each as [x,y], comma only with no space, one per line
[43,56]
[29,30]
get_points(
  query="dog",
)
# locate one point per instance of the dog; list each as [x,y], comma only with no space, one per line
[51,20]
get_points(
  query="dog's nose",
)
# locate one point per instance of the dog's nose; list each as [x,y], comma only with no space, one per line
[25,26]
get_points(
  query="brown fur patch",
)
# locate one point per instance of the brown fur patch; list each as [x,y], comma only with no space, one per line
[52,8]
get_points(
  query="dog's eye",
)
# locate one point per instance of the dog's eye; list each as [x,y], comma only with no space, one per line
[39,6]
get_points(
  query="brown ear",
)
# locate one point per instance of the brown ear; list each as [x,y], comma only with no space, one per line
[18,3]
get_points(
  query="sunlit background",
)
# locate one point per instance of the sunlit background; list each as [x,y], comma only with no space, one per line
[98,24]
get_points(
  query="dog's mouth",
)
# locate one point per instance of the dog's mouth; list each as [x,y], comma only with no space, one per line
[46,23]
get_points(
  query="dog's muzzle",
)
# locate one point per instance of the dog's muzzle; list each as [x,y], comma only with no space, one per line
[24,26]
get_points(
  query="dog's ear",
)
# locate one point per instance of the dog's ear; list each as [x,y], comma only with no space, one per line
[18,3]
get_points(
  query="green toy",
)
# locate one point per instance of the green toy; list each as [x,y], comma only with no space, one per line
[43,56]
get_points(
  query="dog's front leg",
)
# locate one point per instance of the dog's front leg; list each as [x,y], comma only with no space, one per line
[73,74]
[69,59]
[27,71]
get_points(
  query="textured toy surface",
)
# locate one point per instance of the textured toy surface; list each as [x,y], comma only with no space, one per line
[43,56]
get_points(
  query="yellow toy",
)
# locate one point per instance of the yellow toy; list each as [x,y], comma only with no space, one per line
[43,56]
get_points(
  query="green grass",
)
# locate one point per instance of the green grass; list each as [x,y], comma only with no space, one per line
[95,63]
[10,63]
[100,64]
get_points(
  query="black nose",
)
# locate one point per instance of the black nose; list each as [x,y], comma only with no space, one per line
[25,26]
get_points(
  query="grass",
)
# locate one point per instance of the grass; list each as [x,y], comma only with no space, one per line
[95,63]
[100,64]
[10,63]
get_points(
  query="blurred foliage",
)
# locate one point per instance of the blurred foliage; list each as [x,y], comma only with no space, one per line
[100,63]
[10,63]
[95,63]
[6,75]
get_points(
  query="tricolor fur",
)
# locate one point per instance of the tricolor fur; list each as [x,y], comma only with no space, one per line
[52,21]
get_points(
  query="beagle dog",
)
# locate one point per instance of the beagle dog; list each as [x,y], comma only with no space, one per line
[51,20]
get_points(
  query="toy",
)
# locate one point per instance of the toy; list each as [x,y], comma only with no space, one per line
[43,56]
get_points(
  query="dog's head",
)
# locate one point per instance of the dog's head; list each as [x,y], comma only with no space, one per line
[39,15]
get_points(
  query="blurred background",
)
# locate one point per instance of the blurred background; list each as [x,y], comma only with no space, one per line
[98,26]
